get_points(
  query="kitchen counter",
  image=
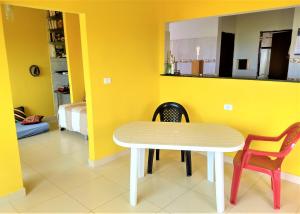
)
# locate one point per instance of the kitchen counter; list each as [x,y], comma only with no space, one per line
[215,77]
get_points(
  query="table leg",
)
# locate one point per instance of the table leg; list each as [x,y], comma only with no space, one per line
[141,163]
[210,166]
[219,167]
[133,176]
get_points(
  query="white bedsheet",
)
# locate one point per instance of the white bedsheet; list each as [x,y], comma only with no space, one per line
[73,117]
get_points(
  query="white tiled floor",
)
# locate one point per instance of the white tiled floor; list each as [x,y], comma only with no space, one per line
[57,179]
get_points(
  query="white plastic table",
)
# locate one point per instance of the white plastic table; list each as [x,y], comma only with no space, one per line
[215,139]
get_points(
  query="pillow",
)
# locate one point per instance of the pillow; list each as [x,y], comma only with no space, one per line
[19,113]
[32,120]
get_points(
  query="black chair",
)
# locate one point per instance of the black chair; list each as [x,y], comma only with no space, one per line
[171,112]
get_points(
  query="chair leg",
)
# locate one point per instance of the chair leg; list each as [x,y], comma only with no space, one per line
[188,163]
[276,188]
[157,154]
[235,183]
[150,161]
[272,183]
[182,155]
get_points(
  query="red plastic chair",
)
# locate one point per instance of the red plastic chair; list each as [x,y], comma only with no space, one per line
[261,161]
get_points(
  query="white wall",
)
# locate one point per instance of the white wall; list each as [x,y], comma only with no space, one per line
[196,28]
[294,68]
[206,33]
[228,24]
[185,36]
[248,27]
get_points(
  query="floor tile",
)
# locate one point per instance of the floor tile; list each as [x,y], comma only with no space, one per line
[96,192]
[35,156]
[60,204]
[55,166]
[57,179]
[72,177]
[81,156]
[6,207]
[192,202]
[260,198]
[247,181]
[121,205]
[177,174]
[163,164]
[38,190]
[28,173]
[111,167]
[113,174]
[159,191]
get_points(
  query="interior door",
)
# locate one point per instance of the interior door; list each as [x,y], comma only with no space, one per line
[226,54]
[279,61]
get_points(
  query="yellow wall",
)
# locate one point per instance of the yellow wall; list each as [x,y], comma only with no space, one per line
[10,169]
[121,47]
[74,57]
[124,48]
[27,44]
[124,41]
[259,107]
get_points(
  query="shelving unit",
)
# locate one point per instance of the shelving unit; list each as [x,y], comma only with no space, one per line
[56,34]
[59,68]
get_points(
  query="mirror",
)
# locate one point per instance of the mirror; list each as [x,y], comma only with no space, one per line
[261,45]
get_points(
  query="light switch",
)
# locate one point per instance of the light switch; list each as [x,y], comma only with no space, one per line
[228,107]
[106,80]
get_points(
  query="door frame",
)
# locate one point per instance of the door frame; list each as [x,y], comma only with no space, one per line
[259,46]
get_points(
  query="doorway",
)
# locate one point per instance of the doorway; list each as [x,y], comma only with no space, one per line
[279,61]
[44,151]
[273,55]
[226,54]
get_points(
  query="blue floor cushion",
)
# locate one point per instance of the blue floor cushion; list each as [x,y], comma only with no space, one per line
[31,130]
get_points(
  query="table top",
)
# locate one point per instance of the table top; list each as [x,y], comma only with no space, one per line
[179,136]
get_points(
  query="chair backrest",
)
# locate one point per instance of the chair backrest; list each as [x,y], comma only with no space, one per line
[171,112]
[292,135]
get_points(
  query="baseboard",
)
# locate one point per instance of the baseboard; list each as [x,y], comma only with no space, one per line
[284,176]
[95,163]
[14,195]
[291,178]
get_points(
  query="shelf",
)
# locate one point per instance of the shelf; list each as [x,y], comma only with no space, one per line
[57,30]
[63,57]
[62,72]
[55,18]
[57,43]
[56,34]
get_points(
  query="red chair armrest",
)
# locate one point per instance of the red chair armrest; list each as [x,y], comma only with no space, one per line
[263,138]
[251,138]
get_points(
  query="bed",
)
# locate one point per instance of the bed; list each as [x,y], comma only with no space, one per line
[31,130]
[73,117]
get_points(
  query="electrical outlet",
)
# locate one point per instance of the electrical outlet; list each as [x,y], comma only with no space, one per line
[106,80]
[228,107]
